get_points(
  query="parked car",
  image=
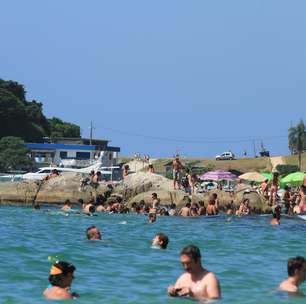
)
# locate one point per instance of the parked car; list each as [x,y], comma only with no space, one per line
[226,156]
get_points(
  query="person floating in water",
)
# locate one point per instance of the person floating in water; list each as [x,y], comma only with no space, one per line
[60,278]
[296,275]
[93,233]
[160,240]
[196,282]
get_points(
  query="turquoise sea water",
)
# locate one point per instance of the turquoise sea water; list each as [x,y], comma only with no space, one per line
[248,255]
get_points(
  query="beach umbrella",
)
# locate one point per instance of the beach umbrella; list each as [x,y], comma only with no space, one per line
[218,175]
[294,179]
[253,177]
[267,175]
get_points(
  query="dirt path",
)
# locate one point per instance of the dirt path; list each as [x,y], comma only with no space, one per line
[276,160]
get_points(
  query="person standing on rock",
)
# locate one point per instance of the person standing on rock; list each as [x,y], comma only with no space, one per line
[177,168]
[126,169]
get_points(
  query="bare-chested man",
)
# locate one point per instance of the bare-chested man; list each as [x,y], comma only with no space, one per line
[296,275]
[196,281]
[177,167]
[185,211]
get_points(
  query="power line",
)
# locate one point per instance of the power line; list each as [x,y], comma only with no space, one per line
[203,141]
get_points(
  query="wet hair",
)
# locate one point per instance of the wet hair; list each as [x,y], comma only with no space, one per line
[92,209]
[192,251]
[80,201]
[67,202]
[152,215]
[172,206]
[188,205]
[57,279]
[214,195]
[165,240]
[294,264]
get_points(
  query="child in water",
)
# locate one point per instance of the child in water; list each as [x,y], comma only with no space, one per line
[60,278]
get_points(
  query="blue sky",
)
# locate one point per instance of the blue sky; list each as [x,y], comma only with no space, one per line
[156,77]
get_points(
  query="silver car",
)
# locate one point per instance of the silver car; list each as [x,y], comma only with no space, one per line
[226,156]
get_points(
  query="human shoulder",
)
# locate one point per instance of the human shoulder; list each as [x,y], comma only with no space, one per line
[287,286]
[57,293]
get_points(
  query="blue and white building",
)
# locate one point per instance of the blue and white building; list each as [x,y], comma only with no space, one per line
[74,152]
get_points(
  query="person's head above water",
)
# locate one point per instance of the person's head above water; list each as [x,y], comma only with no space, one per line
[152,217]
[60,278]
[67,202]
[93,233]
[297,267]
[191,258]
[61,274]
[161,240]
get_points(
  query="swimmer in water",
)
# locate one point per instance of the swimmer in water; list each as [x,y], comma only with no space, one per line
[60,278]
[276,216]
[152,217]
[160,240]
[67,206]
[93,233]
[196,281]
[296,275]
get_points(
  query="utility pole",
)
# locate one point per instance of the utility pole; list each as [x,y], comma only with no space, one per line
[254,147]
[90,134]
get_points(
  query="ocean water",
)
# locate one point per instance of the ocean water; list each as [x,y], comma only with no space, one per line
[248,255]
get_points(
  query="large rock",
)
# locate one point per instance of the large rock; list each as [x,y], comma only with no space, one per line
[55,190]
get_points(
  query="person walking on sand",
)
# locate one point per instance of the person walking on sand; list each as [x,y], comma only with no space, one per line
[177,167]
[196,282]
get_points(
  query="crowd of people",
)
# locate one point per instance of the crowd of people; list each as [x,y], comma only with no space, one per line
[196,281]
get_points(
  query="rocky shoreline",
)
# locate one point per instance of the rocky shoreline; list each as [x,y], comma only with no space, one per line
[136,187]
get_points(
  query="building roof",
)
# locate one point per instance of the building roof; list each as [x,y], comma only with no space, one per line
[46,146]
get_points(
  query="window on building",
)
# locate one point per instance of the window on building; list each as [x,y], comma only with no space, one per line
[83,155]
[63,154]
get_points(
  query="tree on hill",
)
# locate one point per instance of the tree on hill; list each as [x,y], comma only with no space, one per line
[24,119]
[297,139]
[63,129]
[18,117]
[14,155]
